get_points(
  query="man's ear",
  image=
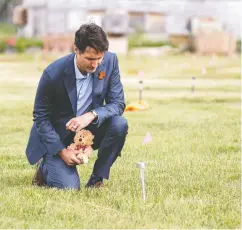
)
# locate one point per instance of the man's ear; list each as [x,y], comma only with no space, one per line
[75,49]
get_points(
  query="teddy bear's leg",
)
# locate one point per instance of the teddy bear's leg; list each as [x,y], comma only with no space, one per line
[83,158]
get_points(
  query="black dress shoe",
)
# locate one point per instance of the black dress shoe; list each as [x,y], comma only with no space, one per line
[95,182]
[38,179]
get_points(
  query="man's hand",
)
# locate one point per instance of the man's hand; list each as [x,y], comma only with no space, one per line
[88,151]
[69,156]
[78,123]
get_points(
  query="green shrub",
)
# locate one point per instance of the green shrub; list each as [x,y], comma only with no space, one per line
[24,43]
[238,46]
[139,40]
[2,46]
[20,44]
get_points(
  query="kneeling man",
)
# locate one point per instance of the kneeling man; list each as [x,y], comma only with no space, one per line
[81,90]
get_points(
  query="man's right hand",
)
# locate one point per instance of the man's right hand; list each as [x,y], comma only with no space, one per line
[69,156]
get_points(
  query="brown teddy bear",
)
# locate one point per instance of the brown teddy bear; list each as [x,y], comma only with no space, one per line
[82,140]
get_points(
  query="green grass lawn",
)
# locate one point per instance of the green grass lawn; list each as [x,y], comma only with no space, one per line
[187,66]
[193,174]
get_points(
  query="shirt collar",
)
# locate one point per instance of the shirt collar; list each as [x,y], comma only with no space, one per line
[78,73]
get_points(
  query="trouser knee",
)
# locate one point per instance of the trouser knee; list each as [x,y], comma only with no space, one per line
[58,175]
[118,125]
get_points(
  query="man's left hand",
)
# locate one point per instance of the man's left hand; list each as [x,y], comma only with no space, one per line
[78,123]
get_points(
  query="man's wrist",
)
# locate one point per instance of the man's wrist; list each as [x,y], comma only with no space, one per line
[61,152]
[94,114]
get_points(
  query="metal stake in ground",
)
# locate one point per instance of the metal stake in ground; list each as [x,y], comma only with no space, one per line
[140,76]
[141,166]
[193,84]
[140,90]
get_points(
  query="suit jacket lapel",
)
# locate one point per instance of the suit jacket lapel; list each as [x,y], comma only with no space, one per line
[98,84]
[70,82]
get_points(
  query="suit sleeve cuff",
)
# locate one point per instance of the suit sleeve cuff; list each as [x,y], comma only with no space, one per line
[55,148]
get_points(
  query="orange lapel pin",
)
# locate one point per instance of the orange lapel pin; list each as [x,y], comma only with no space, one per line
[101,75]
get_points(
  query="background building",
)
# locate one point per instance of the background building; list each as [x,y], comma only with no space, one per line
[153,16]
[158,19]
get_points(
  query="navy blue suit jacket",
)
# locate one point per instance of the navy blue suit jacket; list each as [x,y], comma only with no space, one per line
[56,103]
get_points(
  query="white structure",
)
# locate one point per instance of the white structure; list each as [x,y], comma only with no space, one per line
[64,16]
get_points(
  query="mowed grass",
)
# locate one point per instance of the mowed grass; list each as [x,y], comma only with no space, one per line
[193,173]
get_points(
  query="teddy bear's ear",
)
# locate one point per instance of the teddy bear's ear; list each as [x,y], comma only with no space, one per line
[89,142]
[81,132]
[76,137]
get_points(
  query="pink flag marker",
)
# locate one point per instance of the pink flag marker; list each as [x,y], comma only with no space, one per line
[141,74]
[147,139]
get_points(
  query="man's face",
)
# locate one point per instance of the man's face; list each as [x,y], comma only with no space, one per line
[89,60]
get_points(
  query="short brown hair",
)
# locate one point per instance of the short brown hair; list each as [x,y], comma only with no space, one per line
[91,35]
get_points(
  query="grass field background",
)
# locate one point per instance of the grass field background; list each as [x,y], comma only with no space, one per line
[193,174]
